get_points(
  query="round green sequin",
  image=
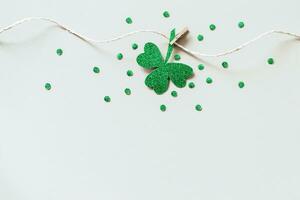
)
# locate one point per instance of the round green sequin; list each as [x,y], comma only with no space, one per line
[96,70]
[48,86]
[59,52]
[201,67]
[212,27]
[241,84]
[120,56]
[200,37]
[107,99]
[128,20]
[134,46]
[209,80]
[174,94]
[270,61]
[166,14]
[191,85]
[163,108]
[129,73]
[177,57]
[127,91]
[241,24]
[198,107]
[225,65]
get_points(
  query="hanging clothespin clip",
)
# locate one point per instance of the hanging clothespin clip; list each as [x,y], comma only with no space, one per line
[180,35]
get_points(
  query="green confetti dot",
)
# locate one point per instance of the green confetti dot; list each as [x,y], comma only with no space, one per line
[200,37]
[241,24]
[59,52]
[107,99]
[120,56]
[270,61]
[212,27]
[177,57]
[201,67]
[191,85]
[225,65]
[209,80]
[166,14]
[127,91]
[48,86]
[198,107]
[134,46]
[163,108]
[96,70]
[174,94]
[129,73]
[241,84]
[128,20]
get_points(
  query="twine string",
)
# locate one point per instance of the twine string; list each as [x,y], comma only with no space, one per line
[195,53]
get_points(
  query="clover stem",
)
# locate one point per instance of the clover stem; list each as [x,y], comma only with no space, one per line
[170,48]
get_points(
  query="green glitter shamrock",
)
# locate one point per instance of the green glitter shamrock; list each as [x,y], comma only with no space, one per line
[162,71]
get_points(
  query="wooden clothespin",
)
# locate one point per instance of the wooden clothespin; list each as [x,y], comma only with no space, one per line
[180,35]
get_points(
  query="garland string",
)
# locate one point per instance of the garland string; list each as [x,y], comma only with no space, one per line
[195,53]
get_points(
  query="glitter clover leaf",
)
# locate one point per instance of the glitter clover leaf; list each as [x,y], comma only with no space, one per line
[162,71]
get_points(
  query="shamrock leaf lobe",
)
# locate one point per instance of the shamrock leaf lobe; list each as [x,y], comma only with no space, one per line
[151,58]
[158,80]
[179,73]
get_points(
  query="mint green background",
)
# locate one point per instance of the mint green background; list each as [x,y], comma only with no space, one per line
[69,144]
